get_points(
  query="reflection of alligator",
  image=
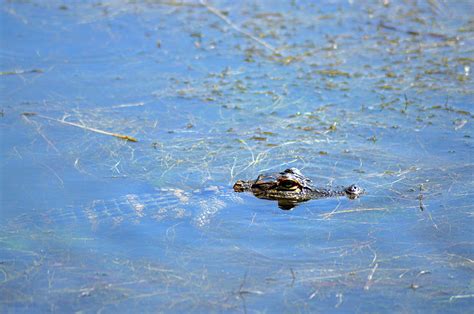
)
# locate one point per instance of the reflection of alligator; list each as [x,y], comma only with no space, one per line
[291,187]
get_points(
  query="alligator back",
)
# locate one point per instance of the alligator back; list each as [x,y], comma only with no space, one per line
[165,205]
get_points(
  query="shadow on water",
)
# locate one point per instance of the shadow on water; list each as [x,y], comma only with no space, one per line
[376,94]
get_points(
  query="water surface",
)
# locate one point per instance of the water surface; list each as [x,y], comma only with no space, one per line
[375,93]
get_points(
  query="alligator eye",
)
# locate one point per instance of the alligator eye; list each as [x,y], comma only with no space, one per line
[289,184]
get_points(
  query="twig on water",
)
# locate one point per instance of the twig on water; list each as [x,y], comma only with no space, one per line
[340,298]
[293,277]
[123,137]
[414,33]
[242,292]
[18,72]
[420,198]
[461,296]
[137,104]
[217,13]
[370,276]
[328,215]
[40,132]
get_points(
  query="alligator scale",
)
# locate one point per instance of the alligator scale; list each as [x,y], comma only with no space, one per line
[291,187]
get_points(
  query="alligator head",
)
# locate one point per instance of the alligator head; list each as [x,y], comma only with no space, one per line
[291,187]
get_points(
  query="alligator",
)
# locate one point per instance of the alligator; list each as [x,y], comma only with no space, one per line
[291,187]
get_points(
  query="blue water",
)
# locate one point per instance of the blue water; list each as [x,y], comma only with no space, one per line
[366,93]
